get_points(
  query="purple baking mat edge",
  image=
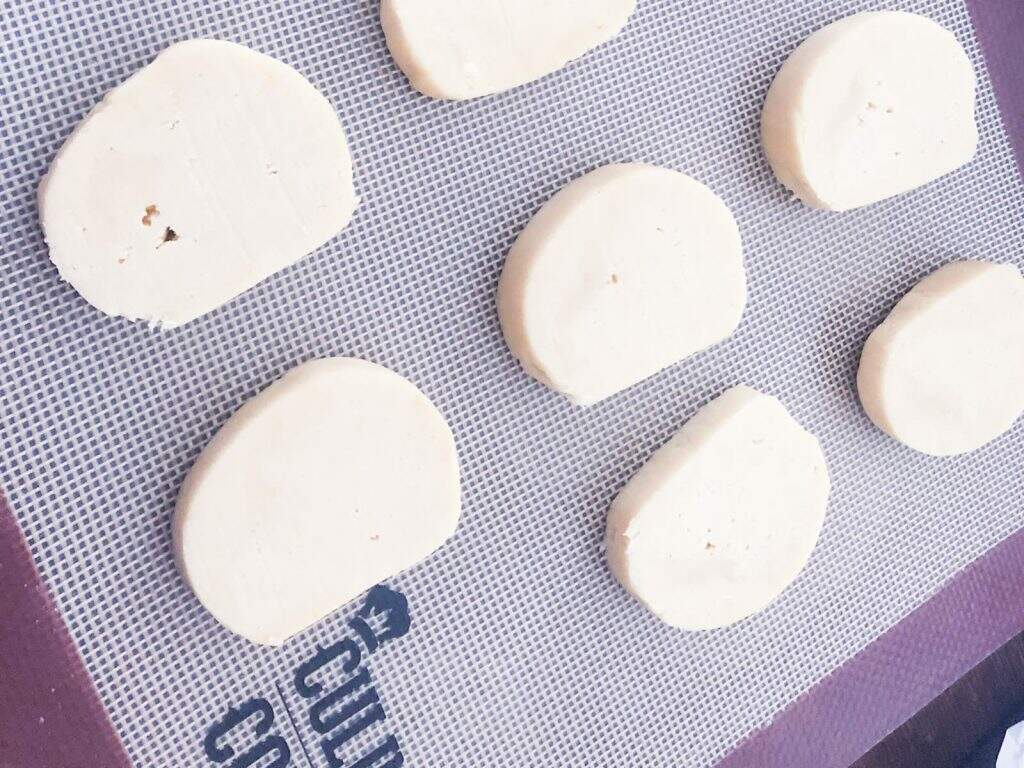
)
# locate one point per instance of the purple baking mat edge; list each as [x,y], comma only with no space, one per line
[999,25]
[50,714]
[843,716]
[868,697]
[51,717]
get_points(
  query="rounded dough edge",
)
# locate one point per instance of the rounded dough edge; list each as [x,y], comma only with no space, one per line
[402,48]
[693,436]
[528,249]
[54,235]
[920,299]
[780,121]
[234,428]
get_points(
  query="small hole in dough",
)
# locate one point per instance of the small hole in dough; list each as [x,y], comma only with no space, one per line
[169,237]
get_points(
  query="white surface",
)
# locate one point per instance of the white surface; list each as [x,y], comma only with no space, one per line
[624,272]
[944,373]
[869,107]
[724,516]
[234,152]
[339,455]
[1011,754]
[461,49]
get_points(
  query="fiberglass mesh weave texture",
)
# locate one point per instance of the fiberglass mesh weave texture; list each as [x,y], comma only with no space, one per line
[523,649]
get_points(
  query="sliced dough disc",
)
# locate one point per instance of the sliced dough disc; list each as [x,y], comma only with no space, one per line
[461,49]
[339,475]
[944,373]
[724,516]
[869,107]
[204,173]
[625,271]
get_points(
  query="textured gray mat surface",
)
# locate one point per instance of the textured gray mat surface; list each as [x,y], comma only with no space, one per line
[522,650]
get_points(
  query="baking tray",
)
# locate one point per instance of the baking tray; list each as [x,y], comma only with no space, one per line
[521,649]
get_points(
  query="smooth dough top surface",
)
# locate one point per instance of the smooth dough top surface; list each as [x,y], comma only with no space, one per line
[207,171]
[625,271]
[724,516]
[870,106]
[337,476]
[462,49]
[944,373]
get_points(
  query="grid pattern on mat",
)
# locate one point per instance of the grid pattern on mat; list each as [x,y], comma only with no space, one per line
[523,650]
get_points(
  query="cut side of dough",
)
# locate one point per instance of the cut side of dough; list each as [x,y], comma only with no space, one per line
[944,374]
[204,173]
[871,106]
[337,476]
[624,272]
[462,49]
[724,516]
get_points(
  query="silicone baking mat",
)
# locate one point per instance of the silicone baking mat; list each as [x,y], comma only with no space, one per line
[521,649]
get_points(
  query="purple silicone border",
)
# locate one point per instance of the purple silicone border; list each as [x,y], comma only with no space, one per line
[999,25]
[876,691]
[50,715]
[864,700]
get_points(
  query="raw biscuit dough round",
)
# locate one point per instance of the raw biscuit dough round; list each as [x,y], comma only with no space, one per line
[462,49]
[870,106]
[944,373]
[337,476]
[624,272]
[207,171]
[724,516]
